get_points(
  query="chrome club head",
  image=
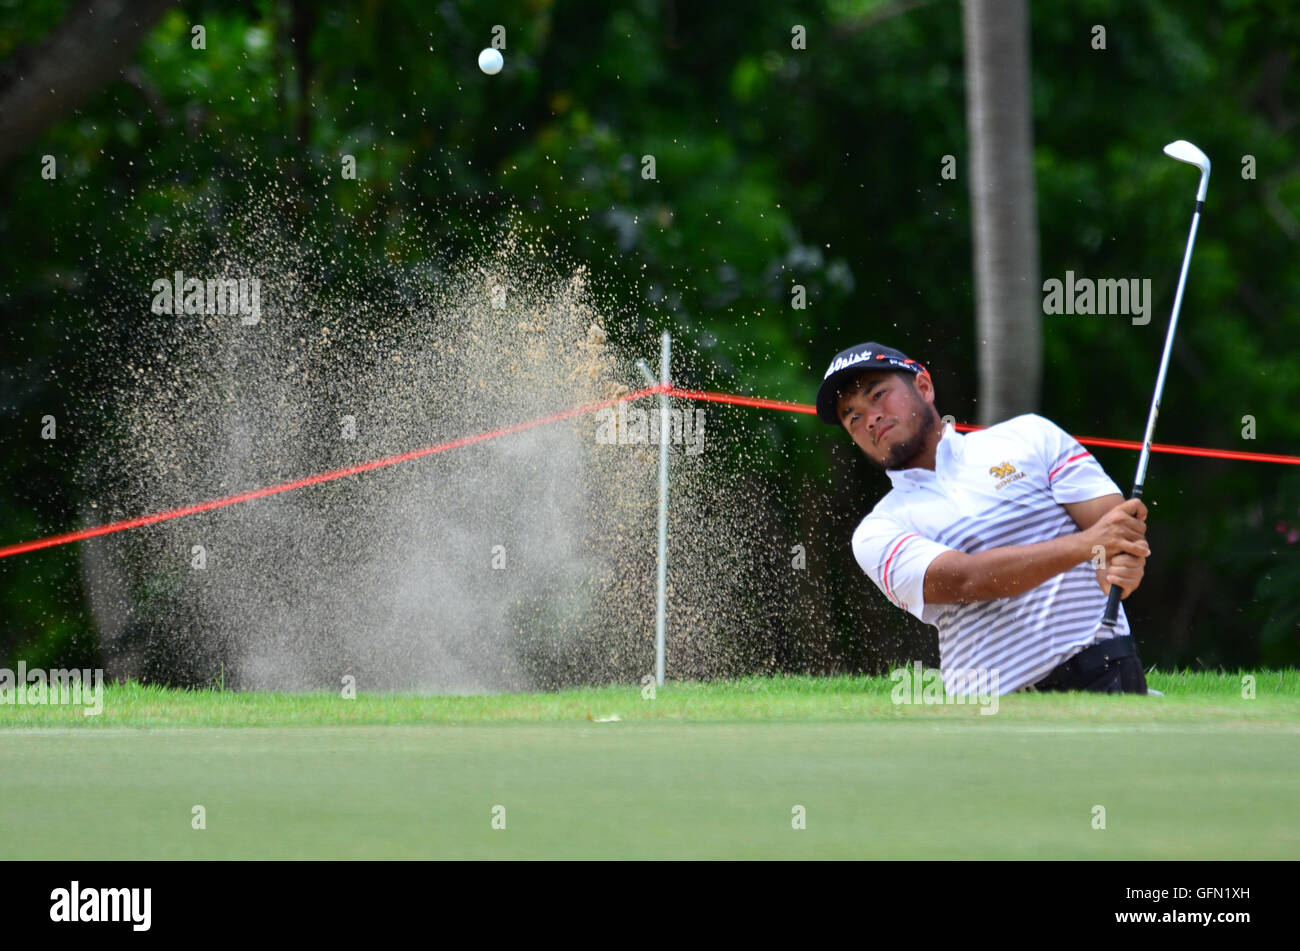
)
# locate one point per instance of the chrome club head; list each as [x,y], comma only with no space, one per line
[1184,151]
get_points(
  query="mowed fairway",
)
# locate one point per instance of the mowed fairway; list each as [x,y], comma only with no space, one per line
[703,771]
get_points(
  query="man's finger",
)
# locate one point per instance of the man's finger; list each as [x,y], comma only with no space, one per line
[1128,578]
[1129,523]
[1130,534]
[1135,508]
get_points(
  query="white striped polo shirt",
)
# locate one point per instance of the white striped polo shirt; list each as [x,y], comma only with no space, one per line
[1005,485]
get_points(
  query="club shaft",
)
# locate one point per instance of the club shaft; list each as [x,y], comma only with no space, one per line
[1112,602]
[1140,478]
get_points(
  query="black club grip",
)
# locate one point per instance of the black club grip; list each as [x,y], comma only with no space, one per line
[1112,606]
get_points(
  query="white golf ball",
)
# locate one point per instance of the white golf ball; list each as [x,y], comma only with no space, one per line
[491,61]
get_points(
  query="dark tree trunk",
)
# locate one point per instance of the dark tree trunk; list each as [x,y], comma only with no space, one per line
[39,85]
[1008,307]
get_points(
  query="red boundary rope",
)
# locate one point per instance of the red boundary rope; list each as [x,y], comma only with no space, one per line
[967,427]
[707,396]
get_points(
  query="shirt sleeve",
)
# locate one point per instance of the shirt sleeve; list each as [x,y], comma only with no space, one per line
[1073,474]
[896,559]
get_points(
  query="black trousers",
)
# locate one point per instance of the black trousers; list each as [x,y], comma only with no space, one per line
[1111,666]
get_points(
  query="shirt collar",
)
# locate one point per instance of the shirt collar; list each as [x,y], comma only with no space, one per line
[950,448]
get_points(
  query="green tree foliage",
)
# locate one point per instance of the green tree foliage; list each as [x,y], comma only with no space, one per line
[775,166]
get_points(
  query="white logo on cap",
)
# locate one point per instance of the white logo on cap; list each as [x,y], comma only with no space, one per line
[842,362]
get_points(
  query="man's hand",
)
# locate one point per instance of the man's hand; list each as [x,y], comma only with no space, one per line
[1121,531]
[1124,570]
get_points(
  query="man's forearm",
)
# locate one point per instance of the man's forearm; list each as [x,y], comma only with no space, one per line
[1015,569]
[956,577]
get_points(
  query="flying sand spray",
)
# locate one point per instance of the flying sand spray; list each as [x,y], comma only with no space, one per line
[522,562]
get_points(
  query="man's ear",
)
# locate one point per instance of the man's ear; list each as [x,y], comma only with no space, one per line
[925,386]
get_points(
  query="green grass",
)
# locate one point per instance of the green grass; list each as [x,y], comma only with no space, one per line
[1189,697]
[700,771]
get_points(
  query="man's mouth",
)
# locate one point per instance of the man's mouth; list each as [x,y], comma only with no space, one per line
[881,432]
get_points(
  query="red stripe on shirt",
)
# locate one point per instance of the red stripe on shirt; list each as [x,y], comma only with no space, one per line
[1066,463]
[885,577]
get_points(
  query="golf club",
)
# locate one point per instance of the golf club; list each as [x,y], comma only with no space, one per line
[1183,151]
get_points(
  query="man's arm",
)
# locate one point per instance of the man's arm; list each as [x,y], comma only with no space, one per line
[1086,514]
[956,577]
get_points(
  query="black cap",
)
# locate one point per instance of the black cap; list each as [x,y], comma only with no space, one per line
[849,363]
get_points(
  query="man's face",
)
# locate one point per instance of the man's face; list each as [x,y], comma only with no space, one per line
[887,417]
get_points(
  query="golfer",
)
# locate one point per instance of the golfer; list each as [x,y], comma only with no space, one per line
[996,537]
